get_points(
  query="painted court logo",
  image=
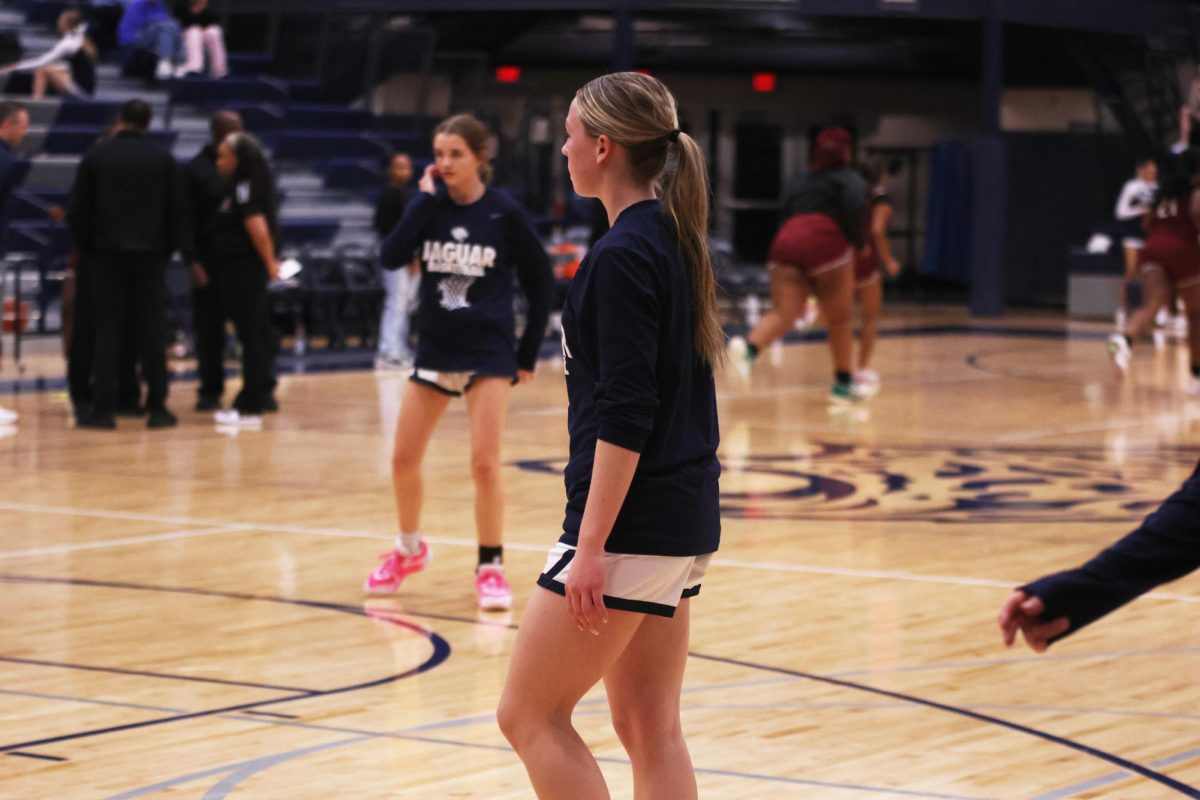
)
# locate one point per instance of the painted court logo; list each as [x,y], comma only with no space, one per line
[836,482]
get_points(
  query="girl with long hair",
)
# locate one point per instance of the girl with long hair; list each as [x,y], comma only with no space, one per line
[472,242]
[811,255]
[640,337]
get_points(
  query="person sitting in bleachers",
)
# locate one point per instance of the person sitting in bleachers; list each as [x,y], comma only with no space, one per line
[69,67]
[148,26]
[201,33]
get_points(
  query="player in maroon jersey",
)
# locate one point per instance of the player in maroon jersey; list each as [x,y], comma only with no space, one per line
[1170,259]
[811,255]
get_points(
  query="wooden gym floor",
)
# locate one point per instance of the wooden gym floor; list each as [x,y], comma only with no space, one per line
[182,614]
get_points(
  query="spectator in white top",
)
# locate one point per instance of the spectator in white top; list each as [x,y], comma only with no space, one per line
[57,66]
[1135,202]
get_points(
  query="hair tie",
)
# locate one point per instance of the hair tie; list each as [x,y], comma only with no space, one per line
[673,136]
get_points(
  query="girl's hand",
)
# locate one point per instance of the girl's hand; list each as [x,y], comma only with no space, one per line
[892,266]
[426,184]
[585,590]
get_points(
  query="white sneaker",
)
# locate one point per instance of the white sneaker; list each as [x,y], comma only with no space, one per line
[234,418]
[391,364]
[738,353]
[1179,324]
[1119,350]
[866,383]
[164,69]
[1162,317]
[8,417]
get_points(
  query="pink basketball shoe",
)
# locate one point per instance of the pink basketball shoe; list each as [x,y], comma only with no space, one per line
[397,565]
[491,587]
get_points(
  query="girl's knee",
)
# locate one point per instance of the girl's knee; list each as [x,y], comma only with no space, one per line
[645,726]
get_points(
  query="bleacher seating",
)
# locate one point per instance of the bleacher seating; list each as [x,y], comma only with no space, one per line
[62,139]
[308,231]
[326,117]
[87,112]
[311,146]
[213,93]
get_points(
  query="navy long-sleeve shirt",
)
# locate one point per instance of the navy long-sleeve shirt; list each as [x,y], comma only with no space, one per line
[1164,548]
[470,256]
[634,380]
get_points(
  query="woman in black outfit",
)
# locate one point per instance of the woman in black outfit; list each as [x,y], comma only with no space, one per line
[245,254]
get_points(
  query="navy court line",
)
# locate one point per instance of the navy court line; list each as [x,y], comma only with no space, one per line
[163,675]
[441,651]
[1146,772]
[38,756]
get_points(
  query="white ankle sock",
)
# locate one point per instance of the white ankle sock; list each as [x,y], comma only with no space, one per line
[409,542]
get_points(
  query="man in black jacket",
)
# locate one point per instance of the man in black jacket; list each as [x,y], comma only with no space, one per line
[127,220]
[203,191]
[1164,548]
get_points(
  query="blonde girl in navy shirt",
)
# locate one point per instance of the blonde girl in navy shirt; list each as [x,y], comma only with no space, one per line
[473,243]
[640,337]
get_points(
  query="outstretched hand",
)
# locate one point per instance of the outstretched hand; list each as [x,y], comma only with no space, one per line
[1023,612]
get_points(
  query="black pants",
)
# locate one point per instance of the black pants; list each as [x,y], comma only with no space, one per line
[244,291]
[128,289]
[208,327]
[81,350]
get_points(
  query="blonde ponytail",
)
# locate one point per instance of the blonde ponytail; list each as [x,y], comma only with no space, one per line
[639,113]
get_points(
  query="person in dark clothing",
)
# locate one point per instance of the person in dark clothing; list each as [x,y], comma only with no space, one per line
[1165,547]
[244,252]
[14,126]
[474,244]
[641,335]
[81,338]
[400,285]
[812,254]
[126,219]
[204,190]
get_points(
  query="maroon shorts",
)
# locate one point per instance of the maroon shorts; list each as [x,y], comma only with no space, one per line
[811,242]
[1179,259]
[866,267]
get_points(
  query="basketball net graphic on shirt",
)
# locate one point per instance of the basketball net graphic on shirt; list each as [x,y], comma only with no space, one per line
[454,287]
[453,290]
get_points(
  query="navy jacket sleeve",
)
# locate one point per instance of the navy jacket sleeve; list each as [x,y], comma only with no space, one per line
[398,248]
[1164,548]
[622,319]
[537,282]
[80,212]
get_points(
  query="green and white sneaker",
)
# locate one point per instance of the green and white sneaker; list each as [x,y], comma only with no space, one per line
[738,352]
[843,394]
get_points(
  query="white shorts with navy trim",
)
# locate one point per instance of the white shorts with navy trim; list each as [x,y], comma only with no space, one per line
[645,584]
[455,384]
